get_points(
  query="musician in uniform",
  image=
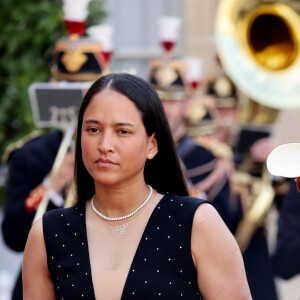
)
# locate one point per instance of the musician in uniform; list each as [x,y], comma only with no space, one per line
[286,258]
[207,165]
[251,143]
[205,130]
[30,162]
[76,58]
[284,162]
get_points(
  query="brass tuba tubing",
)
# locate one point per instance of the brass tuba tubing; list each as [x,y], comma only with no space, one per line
[258,43]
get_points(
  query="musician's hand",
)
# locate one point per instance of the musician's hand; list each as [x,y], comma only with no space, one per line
[65,174]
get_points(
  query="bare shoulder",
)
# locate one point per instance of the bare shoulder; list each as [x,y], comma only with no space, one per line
[206,209]
[35,247]
[36,232]
[206,215]
[208,227]
[35,274]
[217,257]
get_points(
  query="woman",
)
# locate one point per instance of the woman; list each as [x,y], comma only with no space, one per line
[134,232]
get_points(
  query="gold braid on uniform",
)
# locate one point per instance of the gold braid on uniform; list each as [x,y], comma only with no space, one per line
[18,144]
[220,168]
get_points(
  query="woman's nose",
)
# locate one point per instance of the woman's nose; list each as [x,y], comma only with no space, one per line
[105,142]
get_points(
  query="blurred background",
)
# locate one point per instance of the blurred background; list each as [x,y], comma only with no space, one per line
[29,31]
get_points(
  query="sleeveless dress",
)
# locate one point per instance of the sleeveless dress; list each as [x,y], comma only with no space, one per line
[162,267]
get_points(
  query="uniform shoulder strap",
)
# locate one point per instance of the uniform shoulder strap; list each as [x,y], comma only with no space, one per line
[19,143]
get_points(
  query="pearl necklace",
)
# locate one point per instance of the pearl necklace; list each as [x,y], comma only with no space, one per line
[123,217]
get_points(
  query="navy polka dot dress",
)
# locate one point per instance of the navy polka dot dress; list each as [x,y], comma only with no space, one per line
[162,267]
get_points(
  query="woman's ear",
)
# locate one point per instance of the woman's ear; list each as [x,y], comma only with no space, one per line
[153,146]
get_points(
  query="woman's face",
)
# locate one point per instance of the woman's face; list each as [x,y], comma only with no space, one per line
[114,141]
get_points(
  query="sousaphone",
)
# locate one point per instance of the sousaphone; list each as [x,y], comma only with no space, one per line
[258,46]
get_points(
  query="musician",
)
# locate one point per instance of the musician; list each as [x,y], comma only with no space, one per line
[250,146]
[286,258]
[28,179]
[205,130]
[207,164]
[284,162]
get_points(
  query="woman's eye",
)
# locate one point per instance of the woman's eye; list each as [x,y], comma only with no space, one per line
[123,131]
[92,130]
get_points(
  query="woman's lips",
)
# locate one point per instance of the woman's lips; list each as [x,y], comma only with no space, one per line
[105,162]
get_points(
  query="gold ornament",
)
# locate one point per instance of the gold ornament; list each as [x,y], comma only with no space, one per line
[73,60]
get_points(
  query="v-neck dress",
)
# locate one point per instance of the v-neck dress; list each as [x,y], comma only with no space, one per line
[162,267]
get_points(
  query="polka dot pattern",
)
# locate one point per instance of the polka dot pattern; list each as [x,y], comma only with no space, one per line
[67,254]
[162,268]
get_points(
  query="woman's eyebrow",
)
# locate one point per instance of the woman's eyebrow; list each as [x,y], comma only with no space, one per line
[116,124]
[92,121]
[124,124]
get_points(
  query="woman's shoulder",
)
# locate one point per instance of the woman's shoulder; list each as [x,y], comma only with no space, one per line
[58,213]
[207,214]
[37,228]
[60,221]
[186,199]
[183,206]
[208,224]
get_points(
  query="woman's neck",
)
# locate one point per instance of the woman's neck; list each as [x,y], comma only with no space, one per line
[118,201]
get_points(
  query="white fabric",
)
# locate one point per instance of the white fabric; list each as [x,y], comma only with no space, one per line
[55,198]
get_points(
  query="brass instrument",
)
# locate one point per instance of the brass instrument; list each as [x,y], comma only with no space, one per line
[258,43]
[261,196]
[64,146]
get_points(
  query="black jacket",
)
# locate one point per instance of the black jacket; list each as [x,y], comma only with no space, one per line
[28,166]
[286,258]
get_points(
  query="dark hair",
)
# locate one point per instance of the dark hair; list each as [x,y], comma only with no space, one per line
[163,172]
